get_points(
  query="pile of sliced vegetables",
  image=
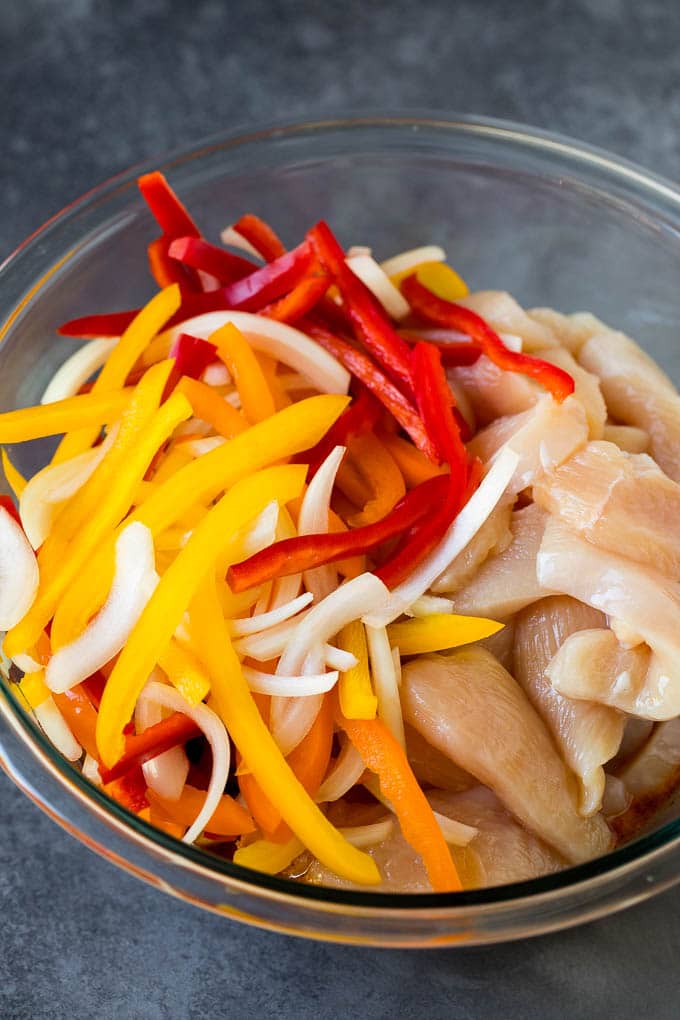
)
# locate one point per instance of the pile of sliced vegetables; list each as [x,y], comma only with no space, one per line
[211,585]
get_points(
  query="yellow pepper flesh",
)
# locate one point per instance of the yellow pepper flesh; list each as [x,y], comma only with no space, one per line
[439,631]
[15,479]
[357,699]
[185,672]
[270,858]
[87,409]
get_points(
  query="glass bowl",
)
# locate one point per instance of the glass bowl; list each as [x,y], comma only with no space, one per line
[553,222]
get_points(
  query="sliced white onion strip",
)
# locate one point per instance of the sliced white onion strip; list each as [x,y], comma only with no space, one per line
[290,686]
[263,621]
[426,605]
[254,537]
[285,589]
[363,836]
[77,369]
[313,520]
[346,773]
[440,335]
[455,833]
[338,658]
[231,237]
[19,575]
[349,602]
[197,447]
[26,664]
[291,718]
[358,249]
[385,681]
[411,259]
[462,530]
[378,282]
[396,659]
[57,730]
[90,770]
[192,427]
[278,340]
[167,773]
[134,581]
[216,374]
[216,735]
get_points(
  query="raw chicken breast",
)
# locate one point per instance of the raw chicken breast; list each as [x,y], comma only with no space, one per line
[507,582]
[619,501]
[493,537]
[643,606]
[544,437]
[627,438]
[431,766]
[502,644]
[571,331]
[491,391]
[505,315]
[638,393]
[650,777]
[587,734]
[472,710]
[586,389]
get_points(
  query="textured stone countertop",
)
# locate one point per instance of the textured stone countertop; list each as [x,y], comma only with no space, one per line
[91,86]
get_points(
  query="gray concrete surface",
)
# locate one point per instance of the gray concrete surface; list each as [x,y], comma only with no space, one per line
[90,86]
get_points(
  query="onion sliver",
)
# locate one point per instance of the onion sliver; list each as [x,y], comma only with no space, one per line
[278,340]
[346,773]
[167,773]
[231,237]
[262,621]
[217,737]
[134,581]
[378,282]
[368,835]
[291,718]
[285,589]
[197,447]
[77,369]
[56,729]
[411,259]
[385,681]
[313,520]
[338,658]
[290,686]
[462,530]
[90,770]
[19,575]
[455,833]
[216,374]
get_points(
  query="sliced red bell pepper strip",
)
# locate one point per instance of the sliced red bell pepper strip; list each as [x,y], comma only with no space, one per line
[269,282]
[141,747]
[436,402]
[164,270]
[199,254]
[129,790]
[360,417]
[192,355]
[419,542]
[454,316]
[371,325]
[307,551]
[454,352]
[261,236]
[300,300]
[362,366]
[115,323]
[166,208]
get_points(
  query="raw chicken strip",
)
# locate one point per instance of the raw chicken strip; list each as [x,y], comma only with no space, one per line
[502,644]
[587,734]
[493,537]
[470,708]
[619,501]
[586,389]
[650,777]
[627,438]
[491,392]
[431,766]
[571,331]
[641,604]
[505,315]
[638,393]
[543,437]
[508,582]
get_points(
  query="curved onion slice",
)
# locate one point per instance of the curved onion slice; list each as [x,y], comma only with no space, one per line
[216,374]
[77,369]
[262,621]
[217,737]
[338,658]
[464,528]
[231,237]
[378,282]
[278,340]
[19,574]
[313,520]
[368,835]
[167,773]
[57,730]
[285,589]
[385,681]
[133,583]
[407,260]
[26,663]
[197,447]
[346,773]
[455,833]
[291,718]
[290,686]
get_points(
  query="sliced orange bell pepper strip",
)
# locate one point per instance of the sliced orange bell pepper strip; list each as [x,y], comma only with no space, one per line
[413,464]
[229,818]
[268,366]
[383,755]
[80,715]
[165,609]
[88,410]
[381,473]
[209,406]
[260,753]
[237,354]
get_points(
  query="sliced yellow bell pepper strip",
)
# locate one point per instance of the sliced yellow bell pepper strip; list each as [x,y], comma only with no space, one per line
[165,609]
[210,407]
[237,354]
[87,410]
[177,458]
[234,605]
[438,277]
[439,631]
[15,479]
[260,753]
[291,431]
[120,362]
[357,699]
[104,519]
[185,672]
[270,858]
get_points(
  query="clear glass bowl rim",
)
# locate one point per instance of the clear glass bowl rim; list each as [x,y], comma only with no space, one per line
[631,859]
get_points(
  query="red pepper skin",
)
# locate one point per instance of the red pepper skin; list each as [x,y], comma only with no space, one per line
[129,790]
[8,505]
[166,208]
[261,236]
[435,403]
[421,539]
[360,417]
[192,355]
[269,282]
[370,324]
[367,372]
[307,551]
[199,254]
[141,747]
[453,316]
[163,269]
[299,301]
